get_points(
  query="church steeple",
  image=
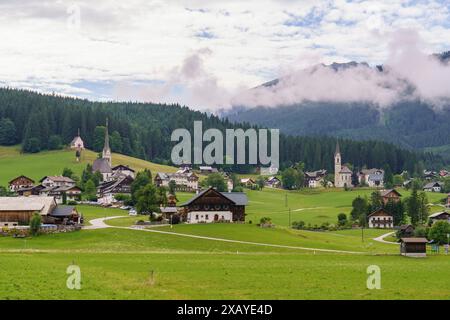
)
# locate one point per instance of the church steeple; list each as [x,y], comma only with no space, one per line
[106,154]
[338,150]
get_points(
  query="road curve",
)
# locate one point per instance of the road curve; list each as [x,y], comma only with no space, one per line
[381,238]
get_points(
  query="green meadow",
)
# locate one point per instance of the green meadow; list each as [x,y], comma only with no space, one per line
[212,261]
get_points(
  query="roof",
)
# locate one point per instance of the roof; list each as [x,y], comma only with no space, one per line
[22,176]
[168,209]
[414,240]
[384,193]
[74,140]
[437,214]
[101,165]
[32,203]
[122,167]
[371,171]
[245,180]
[345,169]
[62,211]
[338,150]
[376,177]
[239,198]
[380,212]
[406,226]
[433,184]
[58,179]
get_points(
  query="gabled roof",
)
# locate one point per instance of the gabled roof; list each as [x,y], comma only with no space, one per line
[380,212]
[437,214]
[31,203]
[22,176]
[101,165]
[345,169]
[433,184]
[122,167]
[58,179]
[384,193]
[62,211]
[238,198]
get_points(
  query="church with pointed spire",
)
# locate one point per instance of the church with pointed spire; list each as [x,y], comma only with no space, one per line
[342,174]
[103,164]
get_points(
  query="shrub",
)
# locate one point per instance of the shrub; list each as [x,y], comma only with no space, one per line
[35,224]
[438,232]
[342,219]
[298,224]
[176,219]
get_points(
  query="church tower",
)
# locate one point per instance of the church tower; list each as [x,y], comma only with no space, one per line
[337,165]
[106,154]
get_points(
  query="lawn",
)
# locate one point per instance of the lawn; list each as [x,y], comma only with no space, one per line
[45,163]
[117,264]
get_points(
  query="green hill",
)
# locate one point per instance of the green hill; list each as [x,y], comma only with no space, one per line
[13,163]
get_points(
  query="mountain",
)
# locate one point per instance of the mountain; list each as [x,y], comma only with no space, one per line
[409,122]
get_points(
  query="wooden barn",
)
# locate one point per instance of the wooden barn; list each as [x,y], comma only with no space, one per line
[211,205]
[413,247]
[18,210]
[20,182]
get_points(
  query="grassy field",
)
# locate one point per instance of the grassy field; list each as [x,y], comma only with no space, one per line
[45,163]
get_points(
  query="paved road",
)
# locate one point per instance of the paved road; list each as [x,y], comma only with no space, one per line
[381,238]
[99,224]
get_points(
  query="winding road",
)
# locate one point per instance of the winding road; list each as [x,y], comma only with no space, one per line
[100,224]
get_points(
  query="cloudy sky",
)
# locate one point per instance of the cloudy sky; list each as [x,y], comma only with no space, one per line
[200,53]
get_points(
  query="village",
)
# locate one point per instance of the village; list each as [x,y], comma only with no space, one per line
[219,197]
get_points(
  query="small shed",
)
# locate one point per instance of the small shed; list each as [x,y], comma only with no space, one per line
[413,247]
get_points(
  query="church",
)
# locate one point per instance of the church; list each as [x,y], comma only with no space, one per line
[103,164]
[342,174]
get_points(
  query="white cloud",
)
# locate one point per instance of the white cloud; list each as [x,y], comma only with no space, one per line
[139,41]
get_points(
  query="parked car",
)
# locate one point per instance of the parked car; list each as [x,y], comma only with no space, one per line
[132,212]
[125,207]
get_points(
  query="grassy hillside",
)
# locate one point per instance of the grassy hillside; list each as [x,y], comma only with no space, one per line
[13,163]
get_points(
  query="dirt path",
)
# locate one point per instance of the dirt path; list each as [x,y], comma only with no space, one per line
[381,238]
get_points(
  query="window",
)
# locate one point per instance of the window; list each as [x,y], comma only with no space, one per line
[196,217]
[206,217]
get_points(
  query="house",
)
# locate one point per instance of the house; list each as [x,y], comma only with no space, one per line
[20,182]
[434,186]
[16,211]
[207,170]
[390,195]
[381,219]
[57,181]
[374,178]
[183,181]
[314,179]
[273,182]
[108,189]
[247,182]
[406,231]
[429,175]
[103,164]
[122,170]
[413,247]
[211,205]
[65,215]
[70,193]
[444,215]
[342,174]
[77,143]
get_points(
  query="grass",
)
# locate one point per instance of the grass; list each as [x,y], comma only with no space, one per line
[45,163]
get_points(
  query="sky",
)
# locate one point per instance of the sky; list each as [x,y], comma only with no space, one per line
[209,54]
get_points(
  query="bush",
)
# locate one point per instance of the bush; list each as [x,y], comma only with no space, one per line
[298,224]
[32,145]
[265,220]
[176,219]
[72,203]
[438,232]
[421,231]
[342,219]
[35,224]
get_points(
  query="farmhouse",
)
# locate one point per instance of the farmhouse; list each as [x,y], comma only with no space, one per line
[406,230]
[211,205]
[248,182]
[183,181]
[57,181]
[20,182]
[77,143]
[342,174]
[413,247]
[122,170]
[433,187]
[108,189]
[273,182]
[381,219]
[373,178]
[314,179]
[390,195]
[444,215]
[18,210]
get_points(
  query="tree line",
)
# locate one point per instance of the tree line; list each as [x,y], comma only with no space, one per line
[143,130]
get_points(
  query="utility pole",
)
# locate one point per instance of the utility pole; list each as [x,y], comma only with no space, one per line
[289,217]
[285,200]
